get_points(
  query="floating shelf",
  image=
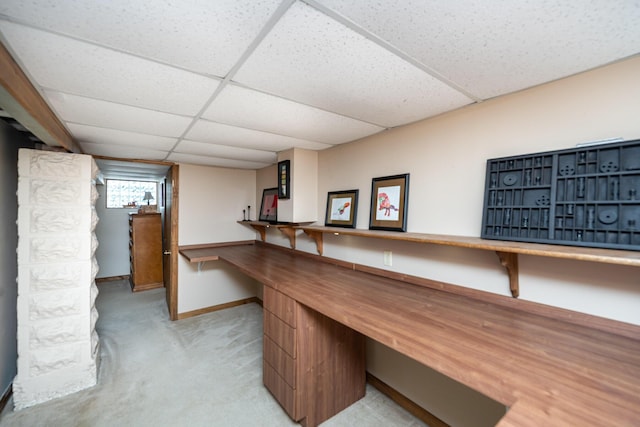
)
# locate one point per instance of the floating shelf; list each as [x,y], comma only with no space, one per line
[507,251]
[288,229]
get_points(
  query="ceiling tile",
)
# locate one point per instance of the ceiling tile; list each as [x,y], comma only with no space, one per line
[204,36]
[251,109]
[111,136]
[226,152]
[217,133]
[71,66]
[317,61]
[214,161]
[492,48]
[120,151]
[94,112]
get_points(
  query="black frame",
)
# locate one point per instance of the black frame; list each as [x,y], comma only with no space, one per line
[330,219]
[271,214]
[284,179]
[398,186]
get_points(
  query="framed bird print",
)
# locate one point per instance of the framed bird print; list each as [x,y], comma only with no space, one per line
[389,200]
[342,209]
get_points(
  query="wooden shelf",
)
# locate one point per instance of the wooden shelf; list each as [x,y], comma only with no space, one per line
[288,229]
[506,251]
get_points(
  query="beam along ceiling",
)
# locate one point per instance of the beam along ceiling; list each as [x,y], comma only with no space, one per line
[232,82]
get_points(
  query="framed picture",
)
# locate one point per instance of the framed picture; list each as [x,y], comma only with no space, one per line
[269,205]
[284,179]
[389,200]
[342,209]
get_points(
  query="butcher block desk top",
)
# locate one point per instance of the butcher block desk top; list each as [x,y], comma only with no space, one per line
[546,371]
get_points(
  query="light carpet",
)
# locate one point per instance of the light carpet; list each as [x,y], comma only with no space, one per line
[201,371]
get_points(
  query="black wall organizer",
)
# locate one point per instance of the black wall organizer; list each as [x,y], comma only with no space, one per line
[588,196]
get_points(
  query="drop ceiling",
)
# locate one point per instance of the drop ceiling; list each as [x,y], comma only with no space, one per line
[231,83]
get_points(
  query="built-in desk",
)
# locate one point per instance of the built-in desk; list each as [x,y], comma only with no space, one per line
[548,371]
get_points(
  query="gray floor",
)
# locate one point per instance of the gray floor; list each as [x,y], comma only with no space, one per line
[202,371]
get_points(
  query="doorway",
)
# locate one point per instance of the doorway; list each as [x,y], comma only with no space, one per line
[112,230]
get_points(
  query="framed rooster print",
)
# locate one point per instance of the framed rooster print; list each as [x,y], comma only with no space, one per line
[342,209]
[389,201]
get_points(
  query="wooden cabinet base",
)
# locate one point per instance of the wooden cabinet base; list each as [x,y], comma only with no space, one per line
[313,365]
[146,286]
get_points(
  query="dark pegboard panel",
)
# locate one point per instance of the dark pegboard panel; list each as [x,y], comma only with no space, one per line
[587,196]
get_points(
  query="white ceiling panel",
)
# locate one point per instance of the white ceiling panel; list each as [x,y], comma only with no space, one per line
[215,161]
[225,152]
[217,133]
[115,169]
[118,137]
[251,109]
[204,36]
[122,151]
[496,47]
[221,79]
[71,66]
[313,59]
[99,113]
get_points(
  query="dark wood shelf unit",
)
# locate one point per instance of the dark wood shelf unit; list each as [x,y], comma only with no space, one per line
[145,251]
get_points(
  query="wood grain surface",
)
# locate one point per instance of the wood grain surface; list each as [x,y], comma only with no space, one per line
[546,370]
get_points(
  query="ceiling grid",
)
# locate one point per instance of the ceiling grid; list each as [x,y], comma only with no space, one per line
[231,83]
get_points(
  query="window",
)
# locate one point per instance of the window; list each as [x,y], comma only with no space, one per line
[129,194]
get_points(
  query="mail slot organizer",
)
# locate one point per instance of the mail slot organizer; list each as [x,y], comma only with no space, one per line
[588,196]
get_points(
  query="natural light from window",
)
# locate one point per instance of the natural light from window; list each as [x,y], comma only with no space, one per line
[129,194]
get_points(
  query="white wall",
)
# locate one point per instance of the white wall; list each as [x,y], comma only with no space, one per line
[210,204]
[113,234]
[446,158]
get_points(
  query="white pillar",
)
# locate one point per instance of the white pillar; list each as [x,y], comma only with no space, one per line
[58,347]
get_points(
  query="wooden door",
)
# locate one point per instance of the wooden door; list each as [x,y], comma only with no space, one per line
[170,241]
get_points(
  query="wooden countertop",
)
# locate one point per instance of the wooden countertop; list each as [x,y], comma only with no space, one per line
[547,371]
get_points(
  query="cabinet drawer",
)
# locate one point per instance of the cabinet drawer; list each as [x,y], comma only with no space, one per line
[282,334]
[280,305]
[284,364]
[287,397]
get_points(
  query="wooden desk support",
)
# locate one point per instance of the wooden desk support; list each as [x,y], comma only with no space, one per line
[541,363]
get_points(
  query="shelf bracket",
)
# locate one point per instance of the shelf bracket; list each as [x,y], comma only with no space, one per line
[260,229]
[200,266]
[317,237]
[290,232]
[509,260]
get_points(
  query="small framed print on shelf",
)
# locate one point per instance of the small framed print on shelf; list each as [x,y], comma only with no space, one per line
[389,200]
[342,209]
[269,205]
[284,179]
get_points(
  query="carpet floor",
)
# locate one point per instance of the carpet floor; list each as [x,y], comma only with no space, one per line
[201,371]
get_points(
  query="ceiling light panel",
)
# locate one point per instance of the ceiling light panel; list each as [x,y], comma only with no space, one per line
[204,36]
[218,133]
[493,48]
[71,66]
[214,161]
[312,59]
[99,113]
[118,137]
[226,152]
[120,151]
[251,109]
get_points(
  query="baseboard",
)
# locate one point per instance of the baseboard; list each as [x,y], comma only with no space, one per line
[405,403]
[111,279]
[5,397]
[213,308]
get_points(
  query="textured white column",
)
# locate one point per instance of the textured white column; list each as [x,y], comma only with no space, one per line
[58,346]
